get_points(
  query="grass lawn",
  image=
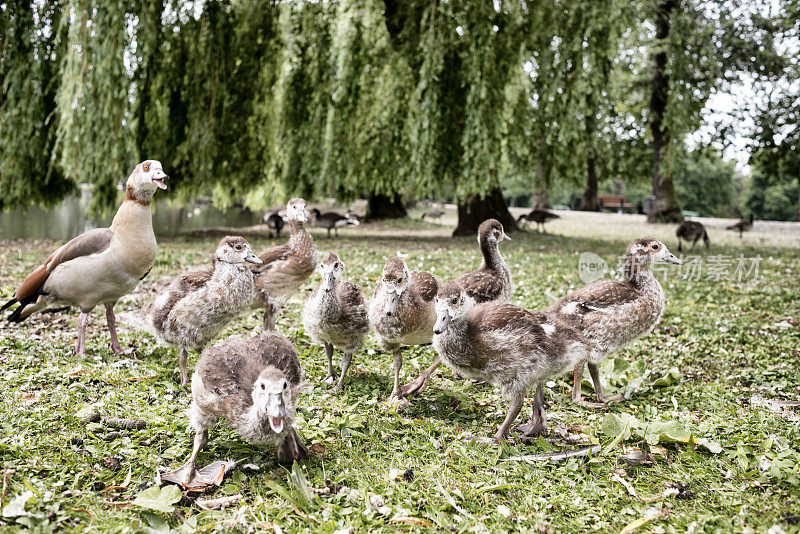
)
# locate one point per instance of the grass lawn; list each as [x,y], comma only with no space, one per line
[701,380]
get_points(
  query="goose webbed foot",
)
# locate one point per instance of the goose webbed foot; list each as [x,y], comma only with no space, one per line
[198,480]
[330,379]
[400,401]
[117,349]
[292,447]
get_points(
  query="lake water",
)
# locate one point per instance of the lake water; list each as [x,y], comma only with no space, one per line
[69,219]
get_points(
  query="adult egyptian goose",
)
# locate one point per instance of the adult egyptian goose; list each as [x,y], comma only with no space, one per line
[285,267]
[335,315]
[433,213]
[402,312]
[101,265]
[613,313]
[540,217]
[200,303]
[331,221]
[507,346]
[253,384]
[691,231]
[742,226]
[491,281]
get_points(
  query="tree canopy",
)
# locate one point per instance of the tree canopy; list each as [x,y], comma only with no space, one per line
[259,99]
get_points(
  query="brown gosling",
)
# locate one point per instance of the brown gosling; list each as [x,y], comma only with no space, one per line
[491,281]
[285,267]
[99,266]
[614,313]
[507,346]
[402,312]
[253,384]
[200,303]
[335,315]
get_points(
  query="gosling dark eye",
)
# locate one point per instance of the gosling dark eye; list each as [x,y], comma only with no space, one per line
[263,386]
[285,385]
[655,246]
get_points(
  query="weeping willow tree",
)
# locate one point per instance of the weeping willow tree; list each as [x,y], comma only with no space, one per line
[31,50]
[383,99]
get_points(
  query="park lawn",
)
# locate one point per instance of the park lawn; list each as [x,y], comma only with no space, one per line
[721,347]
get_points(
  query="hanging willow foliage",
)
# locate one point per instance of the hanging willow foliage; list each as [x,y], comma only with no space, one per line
[259,99]
[30,53]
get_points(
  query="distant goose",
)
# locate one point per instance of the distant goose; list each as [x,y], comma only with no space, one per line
[200,303]
[285,267]
[433,214]
[253,384]
[614,313]
[335,315]
[540,217]
[402,312]
[99,266]
[742,226]
[331,221]
[274,222]
[491,281]
[508,346]
[691,231]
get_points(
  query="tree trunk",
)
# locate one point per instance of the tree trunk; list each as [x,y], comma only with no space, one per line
[384,207]
[665,206]
[473,210]
[798,199]
[590,202]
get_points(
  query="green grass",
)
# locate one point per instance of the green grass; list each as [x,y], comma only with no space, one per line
[728,341]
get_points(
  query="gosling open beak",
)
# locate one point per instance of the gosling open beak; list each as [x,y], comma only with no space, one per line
[252,258]
[276,412]
[505,237]
[159,181]
[442,321]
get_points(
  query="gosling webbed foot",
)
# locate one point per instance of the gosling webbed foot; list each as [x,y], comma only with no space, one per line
[592,405]
[117,349]
[182,476]
[416,386]
[330,379]
[292,447]
[531,428]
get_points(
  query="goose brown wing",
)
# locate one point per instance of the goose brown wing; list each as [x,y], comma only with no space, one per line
[88,243]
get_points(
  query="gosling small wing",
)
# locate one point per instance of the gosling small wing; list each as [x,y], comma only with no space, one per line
[271,257]
[482,285]
[354,305]
[225,371]
[199,277]
[598,297]
[424,284]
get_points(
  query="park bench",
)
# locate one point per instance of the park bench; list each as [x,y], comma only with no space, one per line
[613,202]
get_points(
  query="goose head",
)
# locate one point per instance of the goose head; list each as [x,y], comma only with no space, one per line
[648,251]
[491,231]
[332,269]
[394,280]
[272,397]
[146,178]
[451,303]
[235,249]
[296,210]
